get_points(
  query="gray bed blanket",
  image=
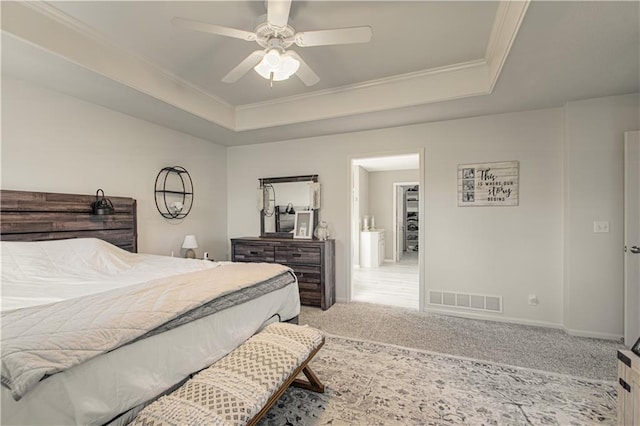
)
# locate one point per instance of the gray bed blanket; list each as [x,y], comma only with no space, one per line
[43,340]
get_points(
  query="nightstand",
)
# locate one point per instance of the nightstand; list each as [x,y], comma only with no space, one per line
[628,388]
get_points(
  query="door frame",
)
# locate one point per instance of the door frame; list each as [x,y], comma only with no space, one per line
[421,217]
[631,286]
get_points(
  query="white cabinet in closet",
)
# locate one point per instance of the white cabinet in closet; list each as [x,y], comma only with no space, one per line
[371,248]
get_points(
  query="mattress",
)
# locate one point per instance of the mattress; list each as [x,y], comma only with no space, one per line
[98,390]
[37,273]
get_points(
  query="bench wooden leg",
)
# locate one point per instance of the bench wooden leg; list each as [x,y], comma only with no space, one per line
[314,384]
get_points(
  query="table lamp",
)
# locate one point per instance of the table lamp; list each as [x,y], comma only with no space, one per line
[190,243]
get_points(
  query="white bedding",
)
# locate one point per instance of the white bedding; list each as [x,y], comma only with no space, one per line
[97,390]
[36,273]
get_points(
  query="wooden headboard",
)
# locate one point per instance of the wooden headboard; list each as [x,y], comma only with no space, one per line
[41,216]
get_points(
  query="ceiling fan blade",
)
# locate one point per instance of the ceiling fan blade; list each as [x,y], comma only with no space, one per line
[337,36]
[243,67]
[278,12]
[213,29]
[304,73]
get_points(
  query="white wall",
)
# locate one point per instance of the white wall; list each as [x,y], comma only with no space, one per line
[508,251]
[594,178]
[381,196]
[56,143]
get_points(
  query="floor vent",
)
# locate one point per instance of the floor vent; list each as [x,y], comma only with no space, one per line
[476,302]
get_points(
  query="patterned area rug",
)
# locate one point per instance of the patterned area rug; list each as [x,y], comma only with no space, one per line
[371,383]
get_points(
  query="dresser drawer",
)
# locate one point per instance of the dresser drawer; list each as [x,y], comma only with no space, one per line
[298,255]
[308,275]
[310,287]
[244,252]
[310,298]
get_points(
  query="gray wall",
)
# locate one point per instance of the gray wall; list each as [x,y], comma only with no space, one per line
[570,175]
[570,166]
[508,251]
[56,143]
[594,176]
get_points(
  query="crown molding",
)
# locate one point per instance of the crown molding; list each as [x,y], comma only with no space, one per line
[47,28]
[367,84]
[506,25]
[427,88]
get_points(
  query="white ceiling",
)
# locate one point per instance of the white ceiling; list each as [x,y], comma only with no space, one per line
[428,60]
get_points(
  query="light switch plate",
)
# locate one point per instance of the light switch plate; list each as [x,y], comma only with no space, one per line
[601,226]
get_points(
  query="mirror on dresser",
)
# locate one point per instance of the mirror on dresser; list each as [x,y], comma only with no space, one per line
[281,198]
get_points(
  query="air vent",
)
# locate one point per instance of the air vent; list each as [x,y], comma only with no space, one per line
[435,298]
[475,302]
[493,303]
[462,301]
[449,299]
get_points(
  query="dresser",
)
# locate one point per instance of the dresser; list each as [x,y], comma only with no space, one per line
[371,248]
[313,262]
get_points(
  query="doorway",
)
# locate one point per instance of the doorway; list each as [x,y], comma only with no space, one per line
[385,209]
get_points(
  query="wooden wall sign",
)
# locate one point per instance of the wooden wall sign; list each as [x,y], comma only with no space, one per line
[488,184]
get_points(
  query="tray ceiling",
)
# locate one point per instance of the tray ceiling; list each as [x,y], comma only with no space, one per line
[427,60]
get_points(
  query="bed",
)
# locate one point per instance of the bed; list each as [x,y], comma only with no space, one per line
[125,327]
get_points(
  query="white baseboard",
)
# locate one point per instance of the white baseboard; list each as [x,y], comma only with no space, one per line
[593,334]
[535,323]
[500,318]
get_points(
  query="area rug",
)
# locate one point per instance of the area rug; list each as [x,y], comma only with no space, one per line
[370,383]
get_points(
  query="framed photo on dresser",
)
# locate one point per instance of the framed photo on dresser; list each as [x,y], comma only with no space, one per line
[303,227]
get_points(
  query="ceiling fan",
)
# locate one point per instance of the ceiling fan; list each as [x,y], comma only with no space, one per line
[273,61]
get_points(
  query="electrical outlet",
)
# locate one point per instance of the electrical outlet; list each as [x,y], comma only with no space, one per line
[533,299]
[601,226]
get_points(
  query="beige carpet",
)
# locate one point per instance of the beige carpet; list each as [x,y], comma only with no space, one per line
[525,346]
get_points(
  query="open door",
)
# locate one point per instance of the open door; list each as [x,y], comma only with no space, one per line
[632,237]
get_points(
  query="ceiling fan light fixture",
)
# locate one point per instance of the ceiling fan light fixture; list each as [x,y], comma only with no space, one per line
[289,65]
[272,59]
[274,34]
[281,66]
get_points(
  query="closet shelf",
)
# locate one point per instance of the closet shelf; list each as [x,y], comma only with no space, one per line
[411,207]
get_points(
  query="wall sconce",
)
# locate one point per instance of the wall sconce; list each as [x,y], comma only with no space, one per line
[190,243]
[102,205]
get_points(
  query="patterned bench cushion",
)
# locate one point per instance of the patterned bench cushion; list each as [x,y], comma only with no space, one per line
[234,389]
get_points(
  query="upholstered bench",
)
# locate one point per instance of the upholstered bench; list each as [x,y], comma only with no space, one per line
[241,387]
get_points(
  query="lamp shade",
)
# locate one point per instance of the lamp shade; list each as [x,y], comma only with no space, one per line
[190,242]
[277,66]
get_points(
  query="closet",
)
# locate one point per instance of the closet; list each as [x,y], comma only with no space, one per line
[411,201]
